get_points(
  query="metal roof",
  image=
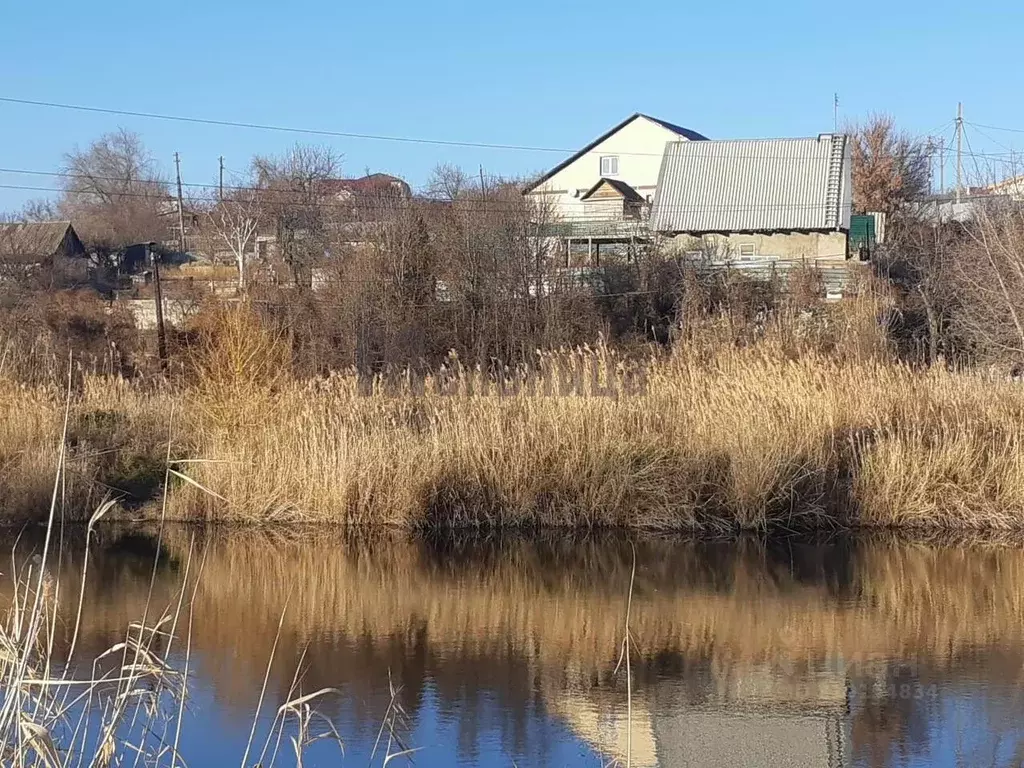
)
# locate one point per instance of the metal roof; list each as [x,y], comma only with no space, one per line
[686,133]
[754,185]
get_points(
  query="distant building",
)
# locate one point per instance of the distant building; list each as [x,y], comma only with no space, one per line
[168,212]
[48,252]
[379,186]
[945,208]
[352,206]
[1012,187]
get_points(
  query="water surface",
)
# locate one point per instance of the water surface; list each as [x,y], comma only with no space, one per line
[503,651]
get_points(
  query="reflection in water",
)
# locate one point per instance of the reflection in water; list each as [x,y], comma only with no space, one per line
[850,652]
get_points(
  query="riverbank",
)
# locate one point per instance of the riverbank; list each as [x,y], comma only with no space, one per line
[737,439]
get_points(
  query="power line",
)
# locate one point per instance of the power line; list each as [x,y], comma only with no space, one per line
[1010,150]
[382,137]
[977,168]
[271,192]
[279,128]
[474,206]
[368,136]
[998,128]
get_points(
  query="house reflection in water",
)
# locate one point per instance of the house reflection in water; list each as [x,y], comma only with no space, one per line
[751,719]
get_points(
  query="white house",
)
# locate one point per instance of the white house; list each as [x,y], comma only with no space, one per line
[630,154]
[1012,187]
[742,202]
[601,192]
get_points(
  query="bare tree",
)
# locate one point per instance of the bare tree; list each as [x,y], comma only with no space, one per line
[114,192]
[890,169]
[40,209]
[920,264]
[298,192]
[448,183]
[989,280]
[236,220]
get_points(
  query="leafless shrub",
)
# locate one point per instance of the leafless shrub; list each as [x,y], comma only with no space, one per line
[988,275]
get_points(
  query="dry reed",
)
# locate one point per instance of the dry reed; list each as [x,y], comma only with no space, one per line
[779,433]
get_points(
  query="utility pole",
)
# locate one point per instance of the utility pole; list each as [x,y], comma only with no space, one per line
[942,165]
[221,197]
[930,148]
[959,150]
[181,206]
[161,337]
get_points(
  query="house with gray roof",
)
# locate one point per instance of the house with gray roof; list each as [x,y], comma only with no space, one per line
[749,200]
[758,201]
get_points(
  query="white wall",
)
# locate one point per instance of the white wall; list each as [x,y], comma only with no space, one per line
[176,311]
[791,246]
[639,146]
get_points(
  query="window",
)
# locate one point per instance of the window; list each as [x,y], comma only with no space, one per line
[747,250]
[610,165]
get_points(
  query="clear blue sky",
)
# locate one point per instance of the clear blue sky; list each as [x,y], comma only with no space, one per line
[551,74]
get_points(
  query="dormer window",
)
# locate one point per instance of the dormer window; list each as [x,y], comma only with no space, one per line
[610,165]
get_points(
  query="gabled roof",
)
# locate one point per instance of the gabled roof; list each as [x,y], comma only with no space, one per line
[683,133]
[754,186]
[29,241]
[619,186]
[686,133]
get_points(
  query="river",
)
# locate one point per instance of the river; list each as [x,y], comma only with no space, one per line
[508,650]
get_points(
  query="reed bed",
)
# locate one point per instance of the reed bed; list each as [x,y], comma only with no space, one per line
[766,436]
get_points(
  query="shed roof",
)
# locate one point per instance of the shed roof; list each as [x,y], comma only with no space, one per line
[27,241]
[619,186]
[754,185]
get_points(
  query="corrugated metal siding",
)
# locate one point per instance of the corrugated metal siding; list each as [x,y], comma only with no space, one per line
[756,185]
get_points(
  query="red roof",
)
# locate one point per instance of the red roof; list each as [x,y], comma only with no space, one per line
[376,184]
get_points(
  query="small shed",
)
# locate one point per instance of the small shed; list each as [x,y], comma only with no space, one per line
[612,199]
[47,250]
[36,242]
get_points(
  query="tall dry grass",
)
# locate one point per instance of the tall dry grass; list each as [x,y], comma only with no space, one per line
[802,424]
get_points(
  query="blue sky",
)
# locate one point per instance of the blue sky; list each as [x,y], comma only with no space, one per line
[548,74]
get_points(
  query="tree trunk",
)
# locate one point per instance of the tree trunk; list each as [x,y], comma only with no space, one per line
[240,258]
